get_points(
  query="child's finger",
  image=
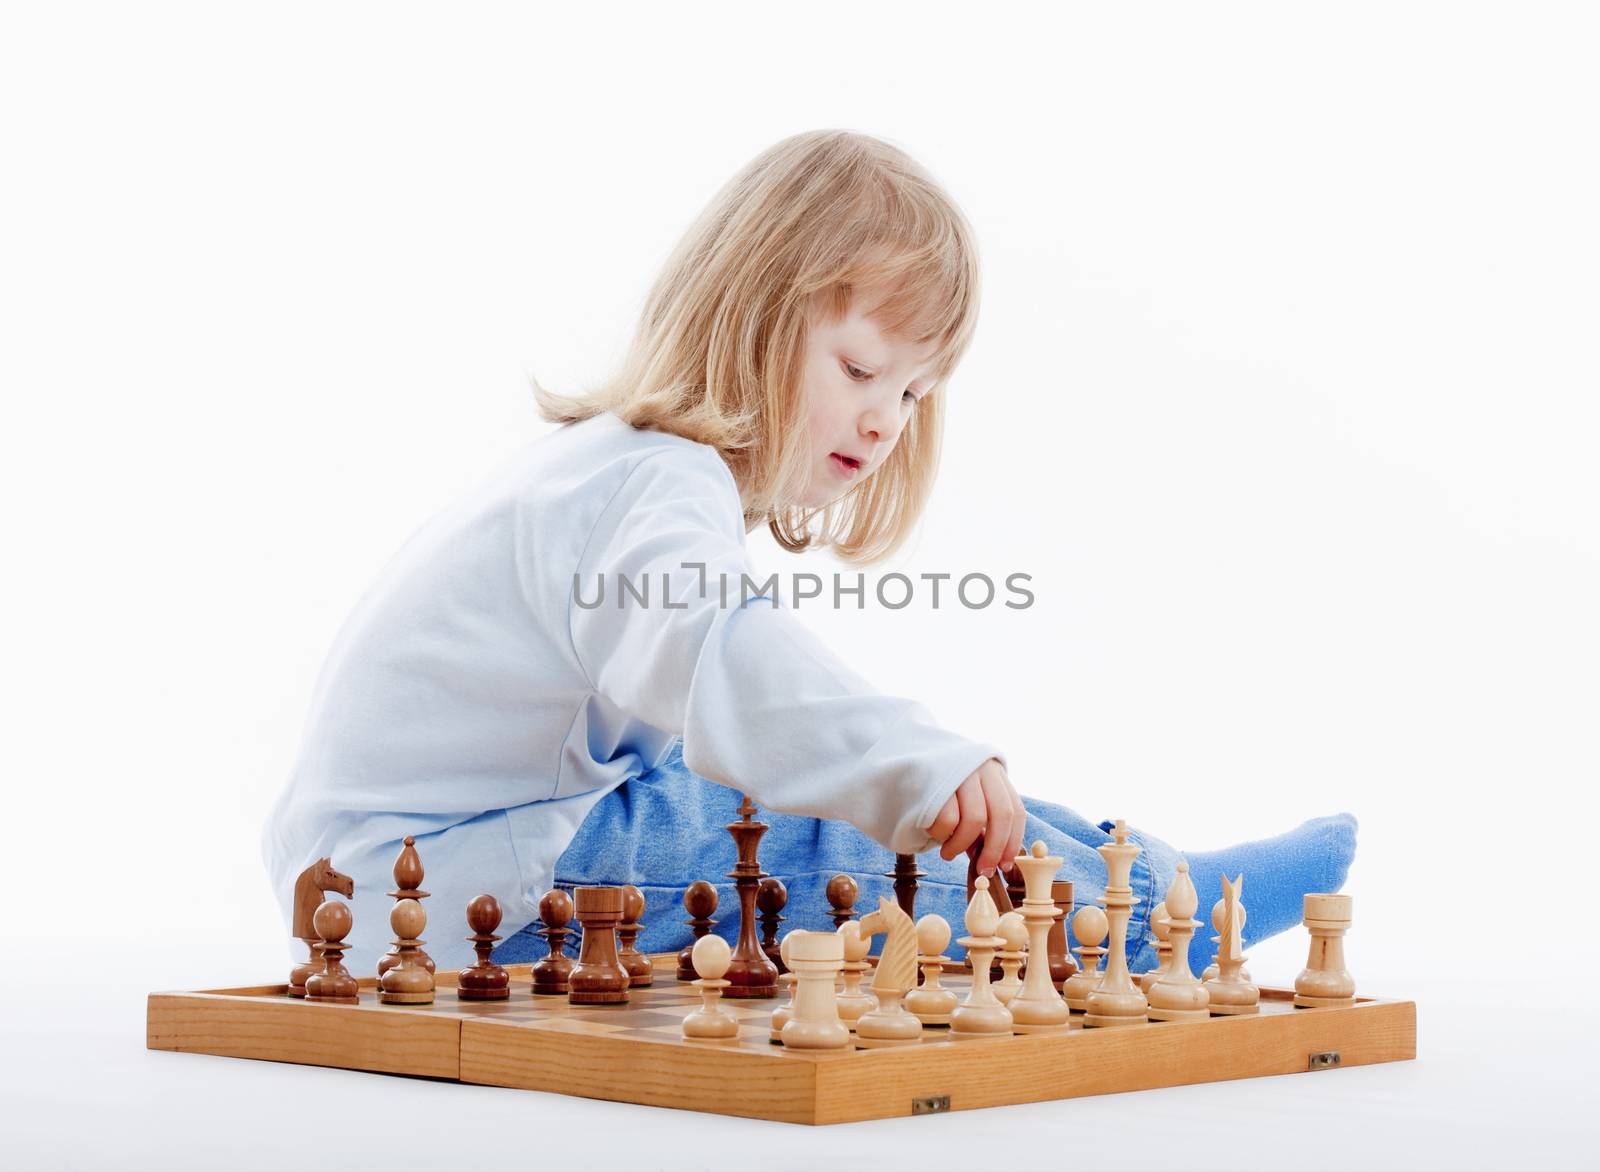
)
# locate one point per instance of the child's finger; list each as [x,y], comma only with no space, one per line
[1013,849]
[1003,828]
[945,823]
[997,830]
[973,813]
[1019,829]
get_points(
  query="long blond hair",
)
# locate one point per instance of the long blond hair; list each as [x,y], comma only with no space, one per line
[718,354]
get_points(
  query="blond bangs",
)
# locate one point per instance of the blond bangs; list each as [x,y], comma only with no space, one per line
[718,354]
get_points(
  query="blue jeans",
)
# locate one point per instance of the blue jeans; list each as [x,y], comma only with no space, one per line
[666,828]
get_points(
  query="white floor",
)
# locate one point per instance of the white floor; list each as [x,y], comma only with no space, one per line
[80,1091]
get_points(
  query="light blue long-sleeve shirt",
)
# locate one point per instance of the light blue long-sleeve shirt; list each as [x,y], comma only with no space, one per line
[477,699]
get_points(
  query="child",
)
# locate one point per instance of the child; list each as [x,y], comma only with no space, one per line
[562,679]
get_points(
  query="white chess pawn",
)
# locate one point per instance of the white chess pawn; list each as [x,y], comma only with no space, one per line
[1089,928]
[932,1003]
[1161,925]
[711,1022]
[1014,931]
[852,1001]
[782,1014]
[981,1015]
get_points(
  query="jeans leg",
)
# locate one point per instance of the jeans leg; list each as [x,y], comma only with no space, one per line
[666,828]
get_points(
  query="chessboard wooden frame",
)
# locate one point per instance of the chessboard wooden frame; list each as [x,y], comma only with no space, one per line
[466,1043]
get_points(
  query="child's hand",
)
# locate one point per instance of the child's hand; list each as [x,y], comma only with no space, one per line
[983,807]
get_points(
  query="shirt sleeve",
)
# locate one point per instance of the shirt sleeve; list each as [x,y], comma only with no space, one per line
[763,706]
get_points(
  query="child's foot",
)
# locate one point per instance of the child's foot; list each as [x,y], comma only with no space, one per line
[1278,872]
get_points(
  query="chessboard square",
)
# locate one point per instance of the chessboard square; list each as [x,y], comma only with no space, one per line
[530,1015]
[577,1025]
[653,1018]
[746,1033]
[756,1011]
[661,1031]
[524,1018]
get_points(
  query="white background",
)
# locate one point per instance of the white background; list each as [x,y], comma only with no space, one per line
[1284,393]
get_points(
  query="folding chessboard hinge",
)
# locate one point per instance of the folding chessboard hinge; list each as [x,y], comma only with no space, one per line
[930,1105]
[1323,1060]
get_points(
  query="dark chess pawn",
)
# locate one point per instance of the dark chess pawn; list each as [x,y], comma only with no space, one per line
[333,984]
[484,981]
[407,982]
[550,975]
[303,970]
[771,897]
[635,962]
[700,901]
[842,892]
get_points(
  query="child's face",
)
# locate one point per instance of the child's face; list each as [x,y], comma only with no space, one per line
[861,389]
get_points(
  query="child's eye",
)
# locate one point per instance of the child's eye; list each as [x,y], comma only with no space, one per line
[912,396]
[856,372]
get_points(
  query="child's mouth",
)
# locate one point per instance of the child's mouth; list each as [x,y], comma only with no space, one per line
[847,467]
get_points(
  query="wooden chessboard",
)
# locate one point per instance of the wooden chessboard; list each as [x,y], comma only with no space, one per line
[636,1053]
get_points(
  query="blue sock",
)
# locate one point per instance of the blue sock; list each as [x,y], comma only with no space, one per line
[1278,872]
